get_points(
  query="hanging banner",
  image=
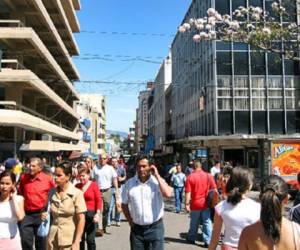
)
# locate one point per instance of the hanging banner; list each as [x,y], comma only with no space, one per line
[286,158]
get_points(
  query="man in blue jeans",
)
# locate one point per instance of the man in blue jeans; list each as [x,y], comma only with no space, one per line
[196,188]
[178,180]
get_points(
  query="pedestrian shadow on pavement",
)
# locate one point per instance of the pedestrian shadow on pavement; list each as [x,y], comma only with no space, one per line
[182,239]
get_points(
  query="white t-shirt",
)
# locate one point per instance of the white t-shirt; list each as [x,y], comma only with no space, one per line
[236,218]
[214,171]
[104,176]
[144,200]
[8,219]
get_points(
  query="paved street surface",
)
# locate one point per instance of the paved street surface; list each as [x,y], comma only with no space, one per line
[176,227]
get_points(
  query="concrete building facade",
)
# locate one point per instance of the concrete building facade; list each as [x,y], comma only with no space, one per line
[97,115]
[37,73]
[157,112]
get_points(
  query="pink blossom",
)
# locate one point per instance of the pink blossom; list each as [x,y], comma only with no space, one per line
[181,29]
[211,12]
[197,38]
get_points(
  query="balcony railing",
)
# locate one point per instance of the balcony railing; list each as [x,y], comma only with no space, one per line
[11,23]
[11,105]
[11,64]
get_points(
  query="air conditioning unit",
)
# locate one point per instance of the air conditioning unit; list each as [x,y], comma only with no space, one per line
[46,137]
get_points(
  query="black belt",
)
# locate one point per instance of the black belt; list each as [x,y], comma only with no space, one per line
[34,212]
[151,225]
[104,190]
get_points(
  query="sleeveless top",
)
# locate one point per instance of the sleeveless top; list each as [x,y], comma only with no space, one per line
[8,219]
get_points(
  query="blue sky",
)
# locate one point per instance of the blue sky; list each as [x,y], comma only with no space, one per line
[117,65]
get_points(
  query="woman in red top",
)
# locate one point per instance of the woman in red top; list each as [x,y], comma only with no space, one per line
[94,206]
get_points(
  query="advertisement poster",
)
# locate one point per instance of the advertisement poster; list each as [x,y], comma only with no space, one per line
[286,158]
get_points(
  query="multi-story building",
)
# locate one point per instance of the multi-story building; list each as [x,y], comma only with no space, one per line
[231,98]
[142,117]
[157,112]
[97,114]
[36,89]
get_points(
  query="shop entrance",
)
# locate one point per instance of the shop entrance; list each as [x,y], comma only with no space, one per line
[234,156]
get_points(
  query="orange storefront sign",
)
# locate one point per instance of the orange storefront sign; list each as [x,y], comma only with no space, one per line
[286,158]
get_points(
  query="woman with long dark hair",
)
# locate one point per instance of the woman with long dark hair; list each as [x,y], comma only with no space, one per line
[273,231]
[11,211]
[237,211]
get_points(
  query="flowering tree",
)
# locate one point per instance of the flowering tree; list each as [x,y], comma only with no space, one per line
[251,25]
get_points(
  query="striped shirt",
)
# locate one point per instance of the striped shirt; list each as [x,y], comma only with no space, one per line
[144,200]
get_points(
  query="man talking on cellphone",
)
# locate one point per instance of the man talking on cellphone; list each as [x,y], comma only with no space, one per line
[143,207]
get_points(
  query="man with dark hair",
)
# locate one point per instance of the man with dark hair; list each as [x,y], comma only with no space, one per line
[295,211]
[34,187]
[143,207]
[196,188]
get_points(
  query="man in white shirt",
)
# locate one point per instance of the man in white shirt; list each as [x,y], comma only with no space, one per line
[106,177]
[143,207]
[216,169]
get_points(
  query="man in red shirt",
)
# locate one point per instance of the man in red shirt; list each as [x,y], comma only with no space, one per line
[197,185]
[34,187]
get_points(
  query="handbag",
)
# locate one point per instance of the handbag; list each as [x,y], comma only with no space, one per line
[212,196]
[44,228]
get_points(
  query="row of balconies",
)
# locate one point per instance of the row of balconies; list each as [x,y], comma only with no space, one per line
[36,61]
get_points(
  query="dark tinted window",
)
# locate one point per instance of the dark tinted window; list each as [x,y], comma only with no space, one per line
[225,122]
[223,45]
[291,122]
[240,63]
[242,122]
[274,64]
[224,63]
[222,6]
[240,46]
[291,67]
[237,3]
[256,3]
[258,63]
[259,122]
[276,122]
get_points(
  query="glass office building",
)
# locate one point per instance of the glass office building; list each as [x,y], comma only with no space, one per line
[226,90]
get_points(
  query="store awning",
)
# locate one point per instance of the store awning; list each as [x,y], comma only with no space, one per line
[50,146]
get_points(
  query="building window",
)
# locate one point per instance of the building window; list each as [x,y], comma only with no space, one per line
[256,3]
[240,63]
[259,122]
[241,82]
[223,6]
[241,103]
[275,103]
[224,104]
[258,82]
[274,64]
[225,122]
[258,63]
[224,64]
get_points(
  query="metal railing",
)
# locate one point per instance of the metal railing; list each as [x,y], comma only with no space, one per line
[11,23]
[11,64]
[12,105]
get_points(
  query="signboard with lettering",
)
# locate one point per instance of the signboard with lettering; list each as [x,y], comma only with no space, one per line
[286,158]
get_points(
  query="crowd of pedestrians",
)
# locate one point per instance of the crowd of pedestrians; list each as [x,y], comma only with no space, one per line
[67,205]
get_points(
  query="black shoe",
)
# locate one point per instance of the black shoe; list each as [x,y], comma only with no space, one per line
[190,242]
[205,245]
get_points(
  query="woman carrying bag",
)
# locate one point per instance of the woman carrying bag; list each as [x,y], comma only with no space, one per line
[67,208]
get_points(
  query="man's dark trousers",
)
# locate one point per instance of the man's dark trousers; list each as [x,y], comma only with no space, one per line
[28,230]
[147,237]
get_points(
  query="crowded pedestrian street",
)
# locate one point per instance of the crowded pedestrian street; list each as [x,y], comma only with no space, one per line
[149,125]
